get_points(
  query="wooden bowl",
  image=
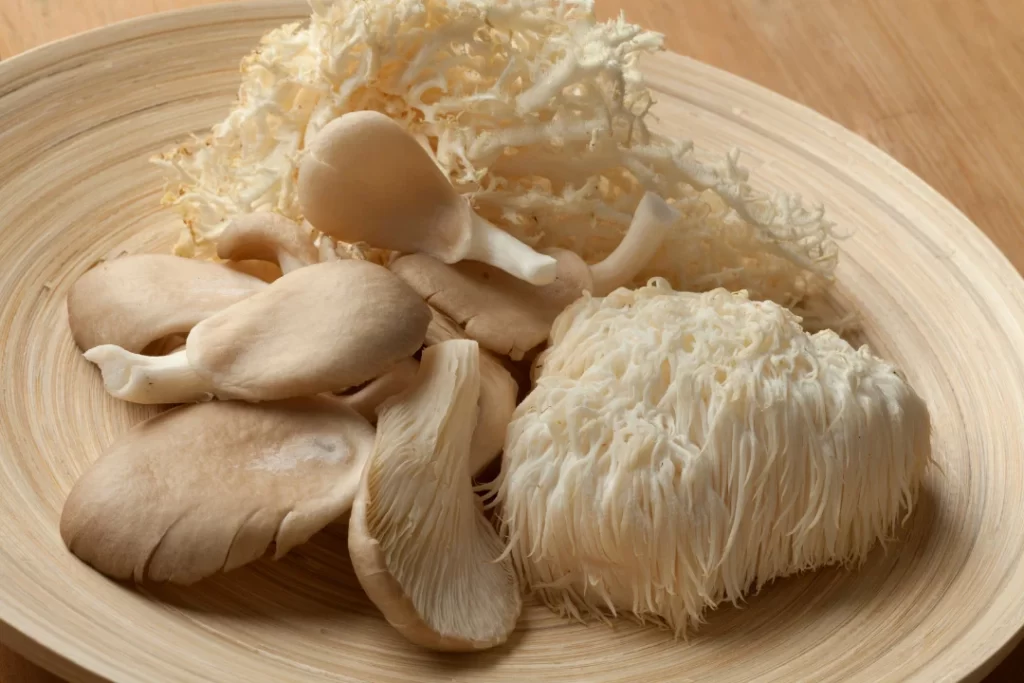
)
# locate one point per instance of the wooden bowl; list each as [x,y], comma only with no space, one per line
[78,121]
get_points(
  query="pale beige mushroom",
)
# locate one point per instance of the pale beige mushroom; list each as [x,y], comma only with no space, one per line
[442,328]
[369,396]
[134,301]
[318,329]
[420,544]
[206,488]
[511,317]
[267,271]
[267,236]
[499,392]
[365,179]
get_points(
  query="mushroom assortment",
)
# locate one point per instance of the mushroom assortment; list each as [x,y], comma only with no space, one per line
[293,392]
[343,388]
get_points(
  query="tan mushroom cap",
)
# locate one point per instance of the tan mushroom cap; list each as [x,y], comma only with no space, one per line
[499,392]
[369,397]
[267,236]
[366,179]
[134,301]
[504,314]
[207,487]
[322,328]
[511,317]
[420,545]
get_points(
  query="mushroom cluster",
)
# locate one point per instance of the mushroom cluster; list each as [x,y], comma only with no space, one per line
[307,390]
[660,451]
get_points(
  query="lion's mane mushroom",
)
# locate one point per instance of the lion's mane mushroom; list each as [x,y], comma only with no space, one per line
[365,179]
[679,449]
[420,544]
[318,329]
[267,236]
[137,300]
[207,487]
[511,317]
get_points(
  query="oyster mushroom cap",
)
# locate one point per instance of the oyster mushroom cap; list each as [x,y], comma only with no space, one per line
[267,236]
[504,314]
[322,328]
[420,545]
[150,380]
[207,487]
[499,392]
[652,221]
[511,317]
[366,179]
[134,301]
[369,397]
[497,403]
[318,329]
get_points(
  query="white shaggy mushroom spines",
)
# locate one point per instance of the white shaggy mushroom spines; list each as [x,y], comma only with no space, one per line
[681,449]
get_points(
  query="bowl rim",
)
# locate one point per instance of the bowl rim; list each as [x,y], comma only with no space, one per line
[38,645]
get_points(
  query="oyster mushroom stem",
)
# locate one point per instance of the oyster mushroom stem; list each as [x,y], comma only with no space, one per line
[365,179]
[153,380]
[420,545]
[652,220]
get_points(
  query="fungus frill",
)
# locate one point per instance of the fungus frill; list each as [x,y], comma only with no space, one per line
[680,449]
[420,545]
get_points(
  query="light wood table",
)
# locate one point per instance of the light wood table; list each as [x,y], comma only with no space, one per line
[936,83]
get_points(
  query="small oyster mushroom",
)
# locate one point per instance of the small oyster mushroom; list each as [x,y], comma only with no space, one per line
[499,392]
[369,396]
[365,179]
[420,544]
[207,487]
[511,317]
[442,328]
[267,236]
[318,329]
[134,301]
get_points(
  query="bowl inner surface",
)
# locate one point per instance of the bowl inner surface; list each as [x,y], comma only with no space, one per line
[78,122]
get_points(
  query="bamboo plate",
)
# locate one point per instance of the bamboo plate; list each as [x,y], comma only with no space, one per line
[78,120]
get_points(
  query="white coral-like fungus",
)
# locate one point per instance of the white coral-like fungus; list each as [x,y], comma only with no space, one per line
[534,109]
[680,449]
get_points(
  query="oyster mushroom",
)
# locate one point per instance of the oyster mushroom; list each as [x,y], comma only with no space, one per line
[511,317]
[318,329]
[135,301]
[368,397]
[365,179]
[207,487]
[499,392]
[420,545]
[266,236]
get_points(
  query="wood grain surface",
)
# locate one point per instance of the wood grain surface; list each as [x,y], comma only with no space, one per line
[936,83]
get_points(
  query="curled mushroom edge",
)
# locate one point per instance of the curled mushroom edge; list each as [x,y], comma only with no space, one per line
[365,179]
